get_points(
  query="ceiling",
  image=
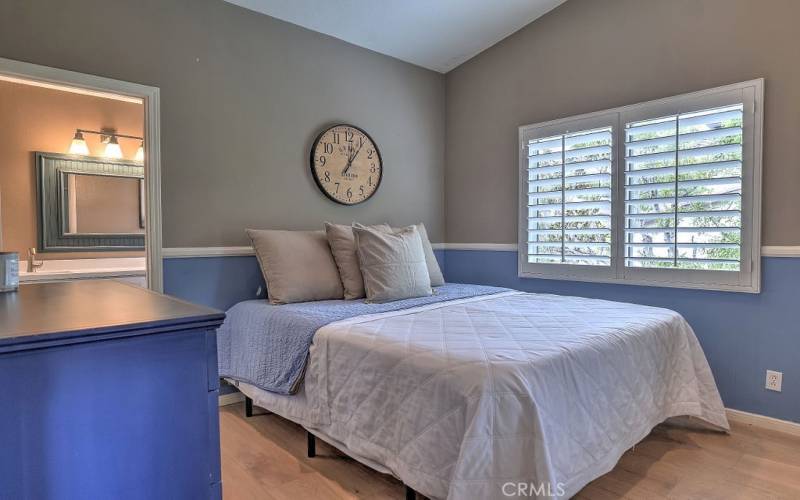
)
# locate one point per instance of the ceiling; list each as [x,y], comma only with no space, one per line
[435,34]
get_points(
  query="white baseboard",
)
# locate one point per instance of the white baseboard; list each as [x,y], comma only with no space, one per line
[764,422]
[231,398]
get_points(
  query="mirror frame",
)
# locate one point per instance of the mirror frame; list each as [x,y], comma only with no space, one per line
[51,169]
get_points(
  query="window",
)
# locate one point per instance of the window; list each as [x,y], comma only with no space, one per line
[569,202]
[661,193]
[683,191]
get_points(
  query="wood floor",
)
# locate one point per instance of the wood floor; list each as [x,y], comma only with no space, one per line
[264,457]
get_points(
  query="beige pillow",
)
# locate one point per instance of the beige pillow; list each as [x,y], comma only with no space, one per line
[343,247]
[430,258]
[392,264]
[297,265]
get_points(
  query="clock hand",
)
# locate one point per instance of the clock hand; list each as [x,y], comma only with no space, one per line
[347,162]
[352,157]
[357,151]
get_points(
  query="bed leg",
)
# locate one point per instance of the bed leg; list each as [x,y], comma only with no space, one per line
[248,409]
[410,493]
[312,445]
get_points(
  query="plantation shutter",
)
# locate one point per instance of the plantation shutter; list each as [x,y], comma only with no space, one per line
[683,191]
[664,193]
[569,193]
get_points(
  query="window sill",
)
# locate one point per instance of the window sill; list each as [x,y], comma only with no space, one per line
[754,287]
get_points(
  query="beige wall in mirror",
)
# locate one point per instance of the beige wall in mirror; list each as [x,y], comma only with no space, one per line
[41,119]
[104,204]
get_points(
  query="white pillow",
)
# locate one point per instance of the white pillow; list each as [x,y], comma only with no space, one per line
[430,258]
[392,264]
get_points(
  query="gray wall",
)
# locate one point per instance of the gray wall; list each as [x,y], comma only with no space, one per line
[243,96]
[589,55]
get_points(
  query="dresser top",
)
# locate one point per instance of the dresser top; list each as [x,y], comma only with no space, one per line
[67,311]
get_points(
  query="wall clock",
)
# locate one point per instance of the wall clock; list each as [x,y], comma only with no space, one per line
[346,164]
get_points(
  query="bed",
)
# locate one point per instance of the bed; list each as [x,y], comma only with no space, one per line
[478,391]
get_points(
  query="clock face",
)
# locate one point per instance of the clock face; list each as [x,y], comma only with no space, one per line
[346,164]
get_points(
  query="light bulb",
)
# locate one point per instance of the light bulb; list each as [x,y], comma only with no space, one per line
[139,153]
[112,149]
[78,146]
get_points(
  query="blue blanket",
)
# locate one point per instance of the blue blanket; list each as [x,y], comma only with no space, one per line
[267,345]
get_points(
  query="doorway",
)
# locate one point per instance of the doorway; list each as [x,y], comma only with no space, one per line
[98,160]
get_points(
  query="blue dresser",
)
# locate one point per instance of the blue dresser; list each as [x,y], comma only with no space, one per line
[107,391]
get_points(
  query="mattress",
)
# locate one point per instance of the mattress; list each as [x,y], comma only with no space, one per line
[471,398]
[267,345]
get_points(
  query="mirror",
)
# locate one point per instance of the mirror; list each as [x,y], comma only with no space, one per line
[102,204]
[89,204]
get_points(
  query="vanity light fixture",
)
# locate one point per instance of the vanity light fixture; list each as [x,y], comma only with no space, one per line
[78,146]
[110,139]
[139,156]
[112,149]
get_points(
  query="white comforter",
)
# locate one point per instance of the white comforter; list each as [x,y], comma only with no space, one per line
[509,393]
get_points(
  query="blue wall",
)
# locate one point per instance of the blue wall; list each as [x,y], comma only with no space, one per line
[220,281]
[742,334]
[214,281]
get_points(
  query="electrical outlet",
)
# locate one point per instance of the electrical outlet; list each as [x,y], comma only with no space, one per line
[774,380]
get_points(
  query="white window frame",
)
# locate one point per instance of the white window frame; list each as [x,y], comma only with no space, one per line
[559,127]
[747,279]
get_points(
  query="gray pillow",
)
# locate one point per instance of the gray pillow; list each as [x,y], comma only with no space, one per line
[343,247]
[297,265]
[392,264]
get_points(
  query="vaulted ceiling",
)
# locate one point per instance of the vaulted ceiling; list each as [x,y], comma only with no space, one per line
[435,34]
